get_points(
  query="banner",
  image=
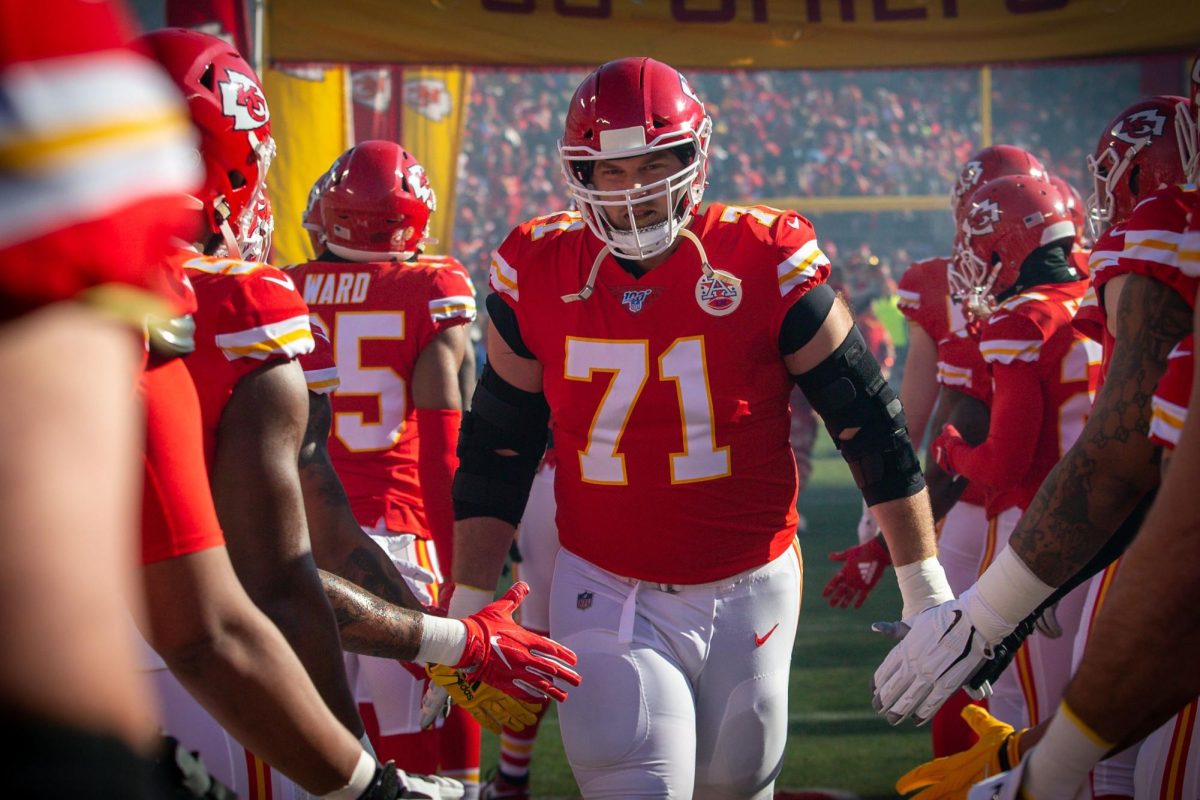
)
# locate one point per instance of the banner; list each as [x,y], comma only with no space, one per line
[309,120]
[753,34]
[434,100]
[224,18]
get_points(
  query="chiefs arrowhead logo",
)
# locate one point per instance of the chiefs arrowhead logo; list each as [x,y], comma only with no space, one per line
[429,97]
[1143,125]
[982,219]
[242,100]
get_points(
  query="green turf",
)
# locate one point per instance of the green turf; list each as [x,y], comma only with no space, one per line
[834,738]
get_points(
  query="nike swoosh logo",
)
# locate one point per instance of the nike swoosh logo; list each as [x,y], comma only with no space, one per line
[950,627]
[760,640]
[285,282]
[495,640]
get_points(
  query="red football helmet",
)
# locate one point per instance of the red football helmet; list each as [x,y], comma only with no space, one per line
[1138,154]
[987,165]
[311,221]
[626,108]
[229,108]
[1075,206]
[377,203]
[1008,219]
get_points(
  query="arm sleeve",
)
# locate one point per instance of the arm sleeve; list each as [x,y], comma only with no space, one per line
[436,463]
[1017,408]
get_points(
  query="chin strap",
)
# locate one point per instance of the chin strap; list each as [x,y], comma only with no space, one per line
[709,272]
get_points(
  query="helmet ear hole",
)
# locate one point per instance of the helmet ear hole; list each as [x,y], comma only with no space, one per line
[236,179]
[1134,175]
[208,78]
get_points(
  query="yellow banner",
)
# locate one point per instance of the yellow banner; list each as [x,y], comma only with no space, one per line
[758,34]
[434,100]
[309,120]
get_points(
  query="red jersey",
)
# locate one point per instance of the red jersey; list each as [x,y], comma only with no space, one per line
[1091,319]
[320,370]
[178,516]
[961,368]
[1029,341]
[1170,403]
[380,316]
[249,314]
[668,391]
[924,298]
[99,151]
[1153,234]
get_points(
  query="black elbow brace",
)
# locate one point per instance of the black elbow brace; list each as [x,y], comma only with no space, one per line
[848,391]
[502,417]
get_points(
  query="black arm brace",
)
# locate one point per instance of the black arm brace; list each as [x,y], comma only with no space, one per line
[502,417]
[848,391]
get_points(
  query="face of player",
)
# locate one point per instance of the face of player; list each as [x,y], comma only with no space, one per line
[631,174]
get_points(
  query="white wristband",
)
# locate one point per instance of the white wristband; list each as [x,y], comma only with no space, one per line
[1006,593]
[1060,762]
[922,585]
[360,779]
[442,641]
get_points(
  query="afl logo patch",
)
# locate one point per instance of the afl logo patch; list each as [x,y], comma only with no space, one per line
[717,297]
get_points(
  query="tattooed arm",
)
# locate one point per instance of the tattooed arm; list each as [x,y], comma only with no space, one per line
[339,545]
[1112,464]
[369,625]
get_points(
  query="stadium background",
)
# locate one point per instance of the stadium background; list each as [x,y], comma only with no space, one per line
[867,154]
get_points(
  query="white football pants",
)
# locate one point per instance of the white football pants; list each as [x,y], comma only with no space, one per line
[685,688]
[537,539]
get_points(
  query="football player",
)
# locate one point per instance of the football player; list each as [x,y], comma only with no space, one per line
[1105,475]
[664,342]
[398,322]
[96,150]
[251,323]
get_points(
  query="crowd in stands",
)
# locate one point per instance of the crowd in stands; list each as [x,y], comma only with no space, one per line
[781,134]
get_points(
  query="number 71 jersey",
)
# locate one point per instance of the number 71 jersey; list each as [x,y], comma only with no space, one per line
[668,391]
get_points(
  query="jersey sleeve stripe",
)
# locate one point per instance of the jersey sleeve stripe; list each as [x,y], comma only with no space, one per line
[290,337]
[91,134]
[1101,260]
[1166,423]
[950,375]
[444,308]
[1006,351]
[1152,250]
[907,299]
[504,277]
[799,267]
[322,381]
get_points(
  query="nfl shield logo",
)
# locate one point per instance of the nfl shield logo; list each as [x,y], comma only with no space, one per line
[583,601]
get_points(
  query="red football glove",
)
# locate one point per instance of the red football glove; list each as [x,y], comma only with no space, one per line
[864,567]
[519,663]
[947,446]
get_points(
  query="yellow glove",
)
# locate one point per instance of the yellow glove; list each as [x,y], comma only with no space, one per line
[491,707]
[951,777]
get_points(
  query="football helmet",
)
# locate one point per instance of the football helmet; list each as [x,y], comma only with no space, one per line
[1138,153]
[1075,205]
[1009,218]
[988,164]
[229,108]
[311,219]
[626,108]
[376,204]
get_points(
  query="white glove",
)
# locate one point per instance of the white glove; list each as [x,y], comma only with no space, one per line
[1048,623]
[940,652]
[868,528]
[429,787]
[435,704]
[1005,786]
